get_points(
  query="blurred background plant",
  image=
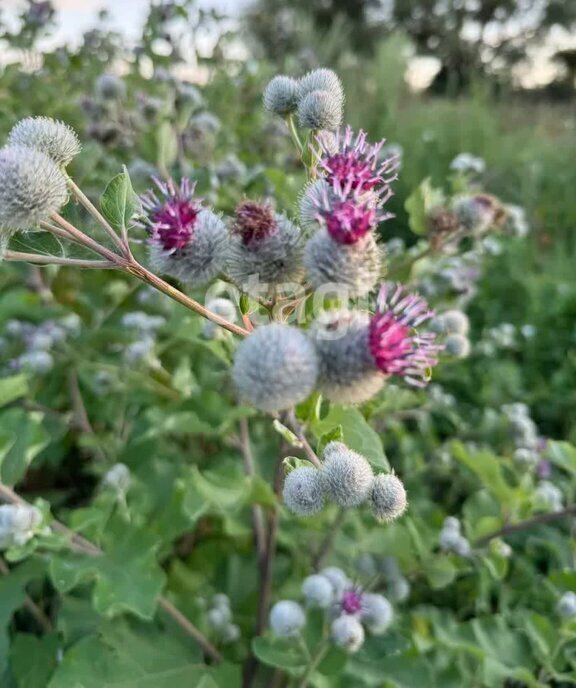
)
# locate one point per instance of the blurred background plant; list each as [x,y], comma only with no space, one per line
[98,372]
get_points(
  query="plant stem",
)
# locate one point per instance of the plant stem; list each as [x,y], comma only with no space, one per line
[257,513]
[294,134]
[293,423]
[158,283]
[18,256]
[251,664]
[91,208]
[526,524]
[328,541]
[87,241]
[83,546]
[313,664]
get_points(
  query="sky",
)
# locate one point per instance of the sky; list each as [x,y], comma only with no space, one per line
[77,16]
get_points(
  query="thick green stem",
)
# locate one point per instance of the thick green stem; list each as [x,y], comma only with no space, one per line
[314,663]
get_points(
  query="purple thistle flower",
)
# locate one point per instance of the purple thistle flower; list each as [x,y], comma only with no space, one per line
[348,217]
[351,601]
[395,345]
[355,165]
[172,219]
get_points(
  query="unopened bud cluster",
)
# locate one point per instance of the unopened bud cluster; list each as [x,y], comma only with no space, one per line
[454,324]
[346,479]
[387,569]
[219,616]
[317,98]
[32,348]
[350,611]
[451,538]
[18,524]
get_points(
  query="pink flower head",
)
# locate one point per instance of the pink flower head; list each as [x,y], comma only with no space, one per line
[355,166]
[395,345]
[351,601]
[347,218]
[172,219]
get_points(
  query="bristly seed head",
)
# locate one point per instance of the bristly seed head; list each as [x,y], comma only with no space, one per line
[396,346]
[253,221]
[172,220]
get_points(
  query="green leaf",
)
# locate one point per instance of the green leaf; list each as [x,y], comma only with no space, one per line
[33,659]
[440,572]
[22,438]
[12,596]
[12,388]
[119,201]
[281,653]
[488,468]
[286,433]
[419,203]
[127,575]
[334,435]
[563,455]
[137,656]
[356,433]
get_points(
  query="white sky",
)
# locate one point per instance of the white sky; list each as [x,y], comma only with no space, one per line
[77,16]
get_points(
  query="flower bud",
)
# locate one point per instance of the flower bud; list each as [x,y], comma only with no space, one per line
[320,110]
[479,213]
[263,244]
[399,590]
[355,267]
[321,80]
[287,618]
[548,497]
[455,322]
[32,187]
[110,87]
[347,372]
[346,476]
[347,633]
[281,95]
[318,591]
[118,478]
[337,577]
[219,617]
[231,634]
[40,362]
[275,367]
[377,613]
[567,605]
[18,522]
[226,309]
[221,600]
[457,345]
[388,497]
[55,139]
[303,494]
